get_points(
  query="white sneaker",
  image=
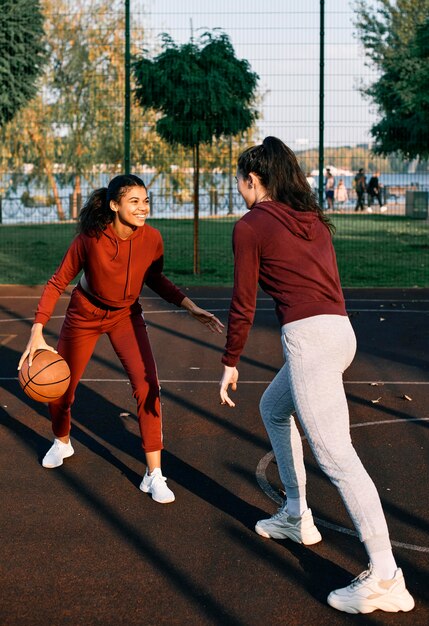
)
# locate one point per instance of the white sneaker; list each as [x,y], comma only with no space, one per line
[57,453]
[155,485]
[383,209]
[283,526]
[367,593]
[369,210]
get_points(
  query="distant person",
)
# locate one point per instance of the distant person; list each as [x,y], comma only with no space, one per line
[311,181]
[284,244]
[341,196]
[329,189]
[119,253]
[360,188]
[374,192]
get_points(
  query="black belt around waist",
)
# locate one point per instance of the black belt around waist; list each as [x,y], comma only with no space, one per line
[96,302]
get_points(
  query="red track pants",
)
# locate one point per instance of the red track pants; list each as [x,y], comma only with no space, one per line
[84,323]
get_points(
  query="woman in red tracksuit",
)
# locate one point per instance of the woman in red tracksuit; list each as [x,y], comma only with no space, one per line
[118,253]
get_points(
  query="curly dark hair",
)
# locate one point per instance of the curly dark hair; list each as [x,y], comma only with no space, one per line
[96,213]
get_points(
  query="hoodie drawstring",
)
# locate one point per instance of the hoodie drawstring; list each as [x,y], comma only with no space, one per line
[117,250]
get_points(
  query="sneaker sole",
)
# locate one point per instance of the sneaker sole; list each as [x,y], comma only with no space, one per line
[308,540]
[67,456]
[403,602]
[147,490]
[164,501]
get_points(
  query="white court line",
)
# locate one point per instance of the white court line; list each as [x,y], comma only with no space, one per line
[388,311]
[261,299]
[148,312]
[354,310]
[66,297]
[262,481]
[240,382]
[30,319]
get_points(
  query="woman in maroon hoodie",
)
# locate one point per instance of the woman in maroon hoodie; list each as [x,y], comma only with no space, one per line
[118,252]
[284,243]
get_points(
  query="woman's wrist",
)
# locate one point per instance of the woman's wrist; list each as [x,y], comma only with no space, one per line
[188,304]
[37,330]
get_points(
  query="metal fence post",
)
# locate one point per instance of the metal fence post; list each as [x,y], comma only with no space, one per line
[127,103]
[321,100]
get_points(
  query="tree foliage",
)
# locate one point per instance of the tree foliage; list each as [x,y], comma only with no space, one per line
[201,92]
[200,88]
[22,54]
[72,130]
[74,126]
[395,35]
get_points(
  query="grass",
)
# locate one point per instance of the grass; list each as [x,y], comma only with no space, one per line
[372,251]
[382,251]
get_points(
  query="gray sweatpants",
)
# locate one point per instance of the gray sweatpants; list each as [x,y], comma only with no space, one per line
[317,351]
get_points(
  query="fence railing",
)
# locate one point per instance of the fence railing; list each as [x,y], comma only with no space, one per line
[39,208]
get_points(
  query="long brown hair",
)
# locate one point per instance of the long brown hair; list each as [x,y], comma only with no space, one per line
[279,172]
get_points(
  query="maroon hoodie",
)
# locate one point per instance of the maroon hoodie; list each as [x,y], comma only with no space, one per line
[290,254]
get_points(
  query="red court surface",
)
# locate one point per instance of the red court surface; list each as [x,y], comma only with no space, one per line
[81,545]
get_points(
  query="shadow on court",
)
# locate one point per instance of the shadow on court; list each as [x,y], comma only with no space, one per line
[83,545]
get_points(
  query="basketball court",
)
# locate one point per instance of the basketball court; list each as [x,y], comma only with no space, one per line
[82,545]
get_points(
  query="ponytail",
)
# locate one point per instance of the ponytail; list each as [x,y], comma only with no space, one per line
[95,214]
[279,172]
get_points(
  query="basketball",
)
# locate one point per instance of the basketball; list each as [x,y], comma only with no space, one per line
[48,377]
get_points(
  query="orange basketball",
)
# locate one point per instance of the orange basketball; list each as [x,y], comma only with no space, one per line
[48,377]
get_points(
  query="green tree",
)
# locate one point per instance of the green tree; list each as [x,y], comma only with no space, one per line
[395,36]
[85,43]
[73,129]
[22,54]
[202,92]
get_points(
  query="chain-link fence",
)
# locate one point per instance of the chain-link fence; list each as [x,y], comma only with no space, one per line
[70,138]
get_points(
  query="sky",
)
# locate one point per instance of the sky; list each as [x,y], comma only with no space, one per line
[280,39]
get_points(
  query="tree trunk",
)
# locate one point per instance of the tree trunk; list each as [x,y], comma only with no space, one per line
[196,159]
[54,187]
[230,207]
[47,164]
[76,199]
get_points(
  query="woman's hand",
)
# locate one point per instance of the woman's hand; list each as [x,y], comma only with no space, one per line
[230,377]
[204,317]
[36,342]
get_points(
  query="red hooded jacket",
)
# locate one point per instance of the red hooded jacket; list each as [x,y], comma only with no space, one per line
[115,270]
[290,254]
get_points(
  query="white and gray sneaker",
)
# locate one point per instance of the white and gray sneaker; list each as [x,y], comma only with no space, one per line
[284,526]
[154,484]
[57,453]
[367,593]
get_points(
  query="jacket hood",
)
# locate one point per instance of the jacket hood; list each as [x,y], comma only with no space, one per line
[116,241]
[109,232]
[303,224]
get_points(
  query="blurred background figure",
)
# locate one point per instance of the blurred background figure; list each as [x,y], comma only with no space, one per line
[329,189]
[360,188]
[340,194]
[311,181]
[374,192]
